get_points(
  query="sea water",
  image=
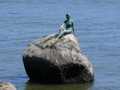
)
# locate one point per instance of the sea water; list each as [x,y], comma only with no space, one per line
[97,26]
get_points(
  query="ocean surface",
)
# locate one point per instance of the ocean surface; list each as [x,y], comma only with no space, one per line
[97,25]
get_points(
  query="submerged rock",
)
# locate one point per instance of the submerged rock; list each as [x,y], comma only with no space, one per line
[52,60]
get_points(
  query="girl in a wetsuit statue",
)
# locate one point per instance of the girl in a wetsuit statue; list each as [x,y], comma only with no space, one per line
[67,27]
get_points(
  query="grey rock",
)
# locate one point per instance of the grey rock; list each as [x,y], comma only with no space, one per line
[53,60]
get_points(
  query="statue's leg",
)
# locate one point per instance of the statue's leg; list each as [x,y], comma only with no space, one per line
[64,33]
[61,34]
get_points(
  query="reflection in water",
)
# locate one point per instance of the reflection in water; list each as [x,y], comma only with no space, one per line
[33,86]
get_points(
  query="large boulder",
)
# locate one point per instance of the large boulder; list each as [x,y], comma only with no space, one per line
[54,60]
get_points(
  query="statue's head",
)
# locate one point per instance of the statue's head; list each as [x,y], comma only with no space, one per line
[67,16]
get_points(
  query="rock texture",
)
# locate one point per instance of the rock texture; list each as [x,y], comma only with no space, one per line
[6,86]
[53,60]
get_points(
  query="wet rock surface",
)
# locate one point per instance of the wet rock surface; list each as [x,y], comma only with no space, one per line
[53,60]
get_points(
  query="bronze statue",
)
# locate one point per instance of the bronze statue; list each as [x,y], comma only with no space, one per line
[67,27]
